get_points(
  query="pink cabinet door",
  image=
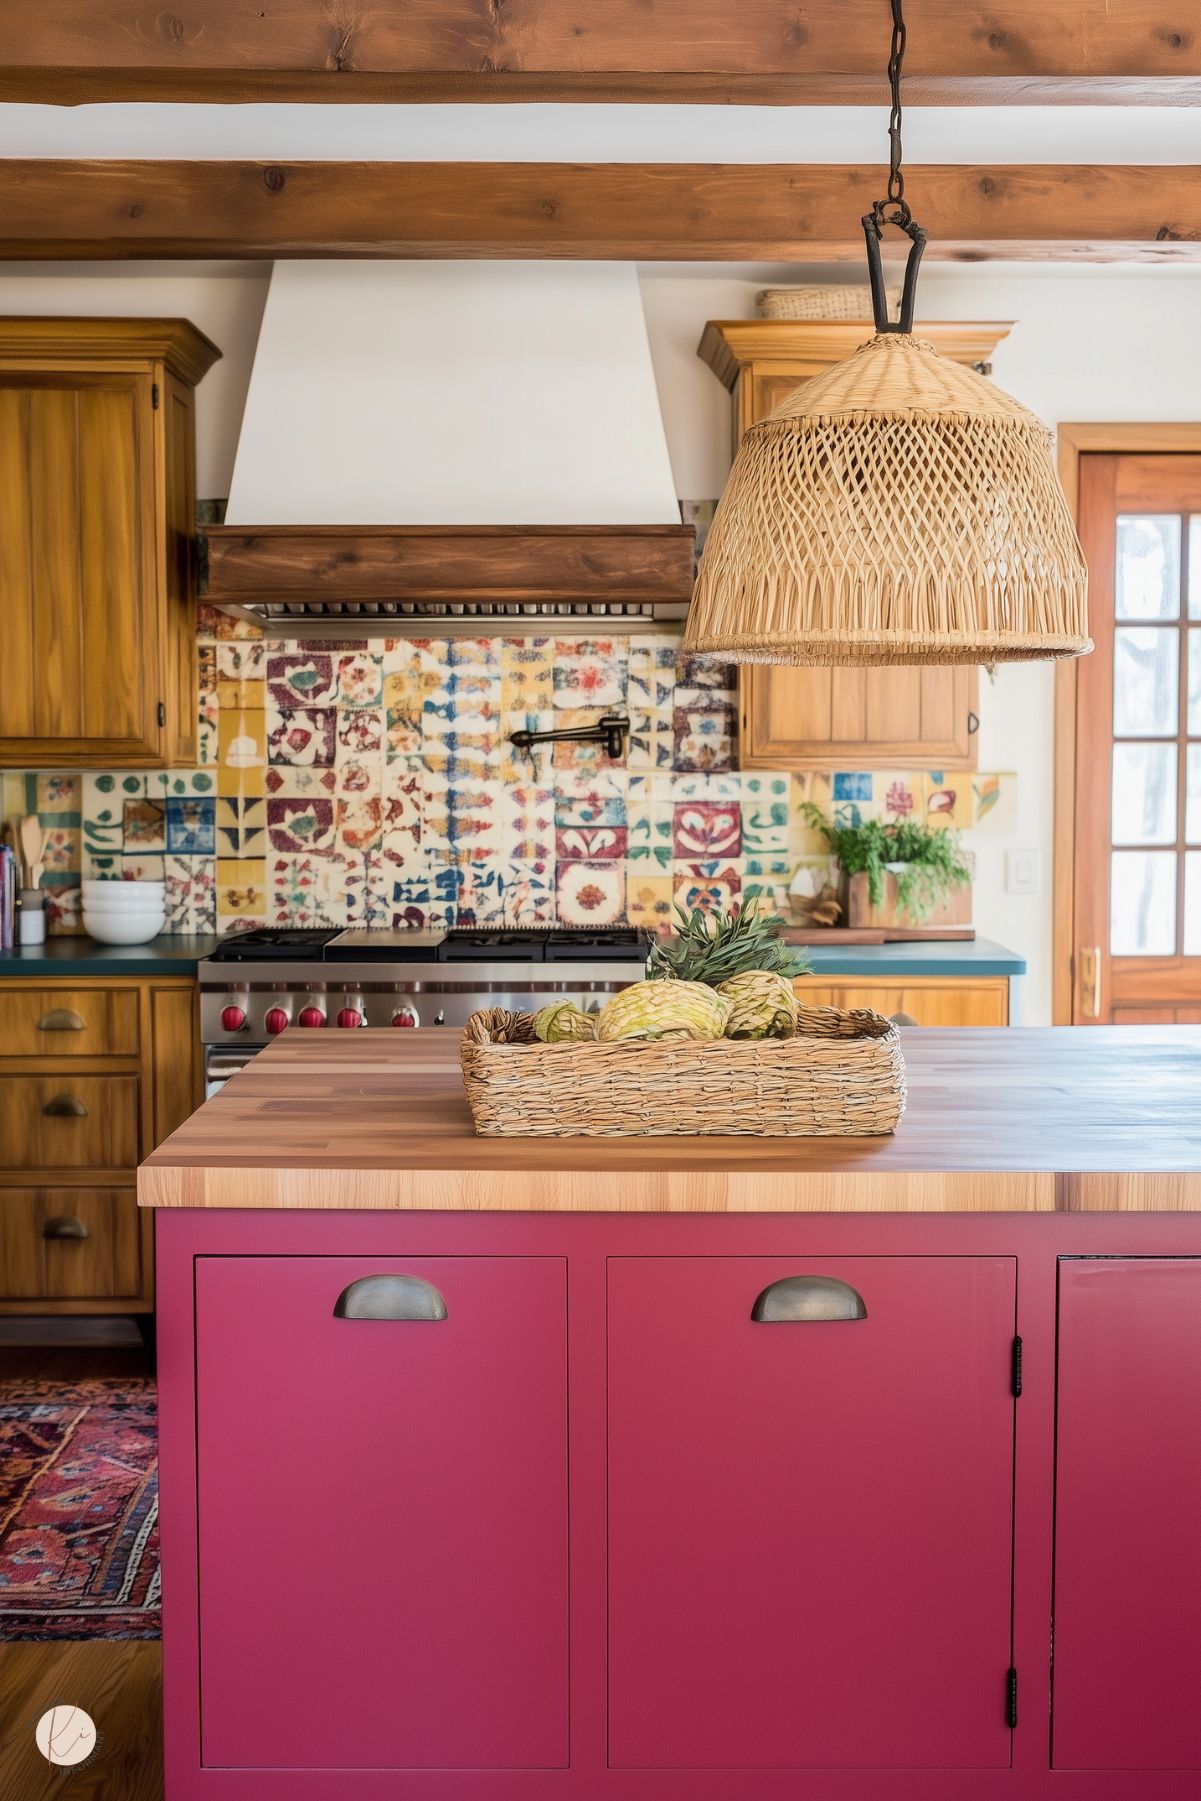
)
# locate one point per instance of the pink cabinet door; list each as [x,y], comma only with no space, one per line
[383,1512]
[1128,1516]
[810,1519]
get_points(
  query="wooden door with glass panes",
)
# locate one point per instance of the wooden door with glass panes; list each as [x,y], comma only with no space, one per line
[1137,945]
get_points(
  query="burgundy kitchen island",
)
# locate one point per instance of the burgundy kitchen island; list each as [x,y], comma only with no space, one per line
[685,1469]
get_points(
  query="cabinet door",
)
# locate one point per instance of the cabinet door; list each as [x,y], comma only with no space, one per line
[810,1521]
[1127,1513]
[941,1001]
[77,567]
[383,1517]
[861,718]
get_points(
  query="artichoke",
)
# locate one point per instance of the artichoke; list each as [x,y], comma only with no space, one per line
[564,1023]
[656,1010]
[762,1005]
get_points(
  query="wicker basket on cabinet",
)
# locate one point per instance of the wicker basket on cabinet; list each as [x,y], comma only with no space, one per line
[842,1075]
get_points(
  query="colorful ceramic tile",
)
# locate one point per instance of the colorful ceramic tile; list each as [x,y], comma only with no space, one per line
[242,893]
[136,866]
[705,829]
[533,763]
[809,788]
[527,822]
[852,784]
[63,909]
[601,842]
[191,825]
[58,794]
[710,887]
[765,813]
[360,734]
[368,880]
[307,889]
[177,782]
[652,741]
[241,661]
[767,880]
[308,679]
[590,893]
[529,892]
[649,899]
[900,794]
[301,736]
[574,754]
[950,800]
[62,849]
[707,672]
[526,675]
[297,826]
[145,825]
[584,798]
[360,679]
[704,737]
[995,798]
[241,826]
[299,783]
[723,785]
[403,795]
[360,823]
[191,899]
[652,673]
[230,625]
[589,672]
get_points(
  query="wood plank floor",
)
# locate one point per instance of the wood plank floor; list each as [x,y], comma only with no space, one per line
[119,1683]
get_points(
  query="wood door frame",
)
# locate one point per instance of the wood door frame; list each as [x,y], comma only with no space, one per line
[1074,441]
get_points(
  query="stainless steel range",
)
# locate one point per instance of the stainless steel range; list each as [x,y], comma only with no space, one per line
[262,982]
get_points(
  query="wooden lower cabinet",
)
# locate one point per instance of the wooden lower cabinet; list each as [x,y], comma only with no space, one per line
[94,1072]
[817,1535]
[937,1001]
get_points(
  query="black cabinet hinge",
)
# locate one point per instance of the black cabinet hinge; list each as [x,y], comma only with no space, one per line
[1015,1368]
[161,714]
[1011,1698]
[154,395]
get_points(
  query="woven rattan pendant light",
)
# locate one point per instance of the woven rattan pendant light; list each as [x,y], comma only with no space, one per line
[897,509]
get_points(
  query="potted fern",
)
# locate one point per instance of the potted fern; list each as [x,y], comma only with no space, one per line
[898,872]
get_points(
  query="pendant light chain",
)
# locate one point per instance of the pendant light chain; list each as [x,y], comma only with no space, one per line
[896,176]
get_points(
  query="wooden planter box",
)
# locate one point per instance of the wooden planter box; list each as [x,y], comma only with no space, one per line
[956,909]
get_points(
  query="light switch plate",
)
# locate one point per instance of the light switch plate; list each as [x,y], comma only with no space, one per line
[1023,873]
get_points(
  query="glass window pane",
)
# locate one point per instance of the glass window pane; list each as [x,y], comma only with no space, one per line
[1148,566]
[1194,566]
[1194,680]
[1145,675]
[1192,903]
[1144,794]
[1192,794]
[1142,903]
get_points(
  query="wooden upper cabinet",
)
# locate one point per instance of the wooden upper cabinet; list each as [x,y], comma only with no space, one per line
[97,525]
[819,718]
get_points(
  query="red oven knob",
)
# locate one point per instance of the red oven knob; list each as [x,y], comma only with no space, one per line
[275,1019]
[350,1016]
[405,1016]
[233,1018]
[311,1016]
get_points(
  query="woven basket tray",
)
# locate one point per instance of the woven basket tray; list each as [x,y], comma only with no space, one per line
[824,302]
[841,1076]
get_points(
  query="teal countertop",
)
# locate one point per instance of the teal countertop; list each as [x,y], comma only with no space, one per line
[959,957]
[163,956]
[168,956]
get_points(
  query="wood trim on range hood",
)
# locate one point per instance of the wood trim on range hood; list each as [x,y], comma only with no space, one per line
[498,575]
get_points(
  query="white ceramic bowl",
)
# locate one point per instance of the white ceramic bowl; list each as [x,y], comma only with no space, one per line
[124,915]
[123,894]
[111,929]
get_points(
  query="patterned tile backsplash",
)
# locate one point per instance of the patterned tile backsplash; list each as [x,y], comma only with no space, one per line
[373,784]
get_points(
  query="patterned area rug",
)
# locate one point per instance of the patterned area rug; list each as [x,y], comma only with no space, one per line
[79,1510]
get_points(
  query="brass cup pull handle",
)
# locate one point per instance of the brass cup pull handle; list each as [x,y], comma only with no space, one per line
[64,1225]
[390,1297]
[61,1019]
[65,1106]
[800,1299]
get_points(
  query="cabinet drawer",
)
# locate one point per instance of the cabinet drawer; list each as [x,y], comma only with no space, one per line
[68,1022]
[437,1449]
[60,1244]
[67,1121]
[810,1517]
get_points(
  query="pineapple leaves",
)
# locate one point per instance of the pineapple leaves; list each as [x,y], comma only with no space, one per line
[712,947]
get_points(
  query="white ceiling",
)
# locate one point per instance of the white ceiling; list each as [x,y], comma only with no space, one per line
[505,133]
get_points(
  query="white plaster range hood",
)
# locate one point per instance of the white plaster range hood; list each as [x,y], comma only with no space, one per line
[469,446]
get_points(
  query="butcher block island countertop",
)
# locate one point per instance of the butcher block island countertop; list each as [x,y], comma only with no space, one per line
[1016,1120]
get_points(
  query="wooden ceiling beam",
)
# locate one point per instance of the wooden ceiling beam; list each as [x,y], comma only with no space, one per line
[62,209]
[1142,52]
